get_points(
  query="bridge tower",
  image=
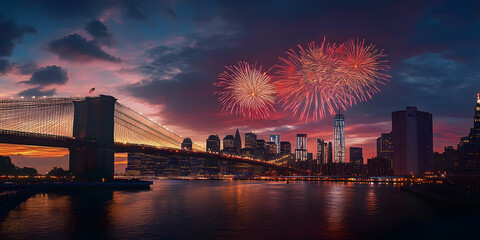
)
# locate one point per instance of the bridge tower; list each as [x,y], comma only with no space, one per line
[93,124]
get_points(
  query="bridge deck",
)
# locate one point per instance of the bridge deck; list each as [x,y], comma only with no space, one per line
[47,140]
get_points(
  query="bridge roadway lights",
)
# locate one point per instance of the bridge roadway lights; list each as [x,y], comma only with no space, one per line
[93,122]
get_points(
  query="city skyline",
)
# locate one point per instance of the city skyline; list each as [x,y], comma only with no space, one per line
[425,65]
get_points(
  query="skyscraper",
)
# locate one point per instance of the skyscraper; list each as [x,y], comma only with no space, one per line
[385,146]
[412,136]
[238,142]
[229,143]
[322,152]
[301,150]
[276,140]
[330,153]
[213,143]
[469,147]
[260,144]
[339,132]
[250,141]
[271,148]
[285,148]
[356,155]
[187,144]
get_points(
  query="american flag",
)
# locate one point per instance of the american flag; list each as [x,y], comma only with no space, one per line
[92,90]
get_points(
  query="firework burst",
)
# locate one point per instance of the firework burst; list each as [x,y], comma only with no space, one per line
[328,76]
[365,68]
[246,90]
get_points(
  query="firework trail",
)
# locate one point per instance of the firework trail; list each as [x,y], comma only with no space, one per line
[246,90]
[328,76]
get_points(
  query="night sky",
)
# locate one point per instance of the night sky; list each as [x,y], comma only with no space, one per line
[162,58]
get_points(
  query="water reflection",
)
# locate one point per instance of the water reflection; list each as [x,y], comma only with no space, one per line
[222,210]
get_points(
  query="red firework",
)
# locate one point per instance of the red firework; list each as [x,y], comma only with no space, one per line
[365,68]
[246,90]
[329,76]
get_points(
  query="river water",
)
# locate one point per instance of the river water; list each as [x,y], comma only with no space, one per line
[175,209]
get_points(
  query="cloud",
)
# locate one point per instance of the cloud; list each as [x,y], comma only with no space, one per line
[171,13]
[11,34]
[179,79]
[100,33]
[76,48]
[27,68]
[5,66]
[87,9]
[134,12]
[37,91]
[48,75]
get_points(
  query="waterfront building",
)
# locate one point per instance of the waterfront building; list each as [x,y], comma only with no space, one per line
[322,152]
[356,155]
[276,140]
[213,144]
[229,144]
[469,147]
[271,148]
[187,144]
[301,150]
[260,144]
[250,140]
[379,167]
[330,153]
[339,135]
[446,161]
[412,136]
[285,148]
[385,146]
[237,142]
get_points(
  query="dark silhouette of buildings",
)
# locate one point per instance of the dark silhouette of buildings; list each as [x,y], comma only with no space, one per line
[187,144]
[446,161]
[213,144]
[237,142]
[330,153]
[385,146]
[229,144]
[412,136]
[379,167]
[356,155]
[285,148]
[339,135]
[250,141]
[323,151]
[469,147]
[271,148]
[260,144]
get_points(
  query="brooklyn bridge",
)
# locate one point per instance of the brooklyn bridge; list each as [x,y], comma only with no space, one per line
[93,129]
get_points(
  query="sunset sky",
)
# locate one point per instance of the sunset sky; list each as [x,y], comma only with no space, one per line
[161,58]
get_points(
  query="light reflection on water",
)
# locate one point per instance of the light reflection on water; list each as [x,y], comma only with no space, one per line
[230,210]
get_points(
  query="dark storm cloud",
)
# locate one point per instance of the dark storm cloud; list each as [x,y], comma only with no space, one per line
[5,66]
[100,33]
[37,91]
[48,75]
[76,48]
[11,34]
